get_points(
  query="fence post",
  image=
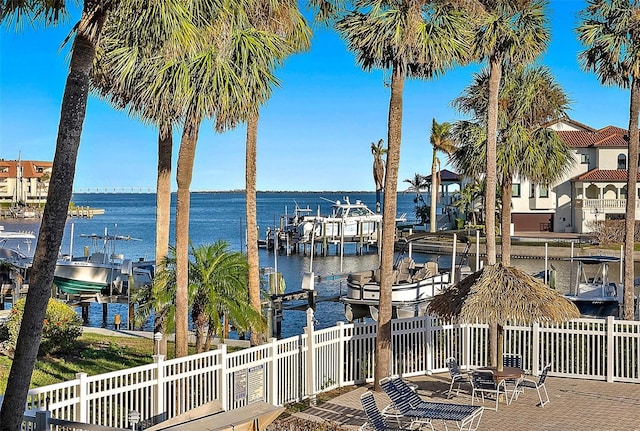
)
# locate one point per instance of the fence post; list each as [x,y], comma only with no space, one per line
[273,381]
[81,411]
[42,419]
[341,350]
[428,344]
[611,357]
[311,358]
[160,406]
[535,353]
[224,379]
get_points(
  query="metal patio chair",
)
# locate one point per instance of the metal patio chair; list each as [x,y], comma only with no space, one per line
[484,383]
[457,376]
[375,420]
[539,386]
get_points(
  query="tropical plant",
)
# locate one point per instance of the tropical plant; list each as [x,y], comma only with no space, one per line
[61,326]
[610,32]
[466,199]
[441,141]
[508,32]
[529,98]
[166,18]
[292,27]
[217,288]
[407,39]
[416,185]
[378,151]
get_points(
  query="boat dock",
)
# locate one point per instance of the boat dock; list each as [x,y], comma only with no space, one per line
[84,212]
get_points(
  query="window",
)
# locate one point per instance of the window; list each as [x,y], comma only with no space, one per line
[515,192]
[584,159]
[544,191]
[622,161]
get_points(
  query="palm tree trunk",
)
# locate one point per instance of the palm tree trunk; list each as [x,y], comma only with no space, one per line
[507,186]
[492,176]
[184,173]
[434,193]
[72,114]
[252,221]
[383,340]
[630,216]
[163,216]
[495,75]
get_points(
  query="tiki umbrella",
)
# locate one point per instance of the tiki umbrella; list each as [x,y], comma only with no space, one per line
[500,294]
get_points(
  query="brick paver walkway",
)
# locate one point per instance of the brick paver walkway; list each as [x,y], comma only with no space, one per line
[575,405]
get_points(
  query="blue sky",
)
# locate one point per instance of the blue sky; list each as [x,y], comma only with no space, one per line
[314,134]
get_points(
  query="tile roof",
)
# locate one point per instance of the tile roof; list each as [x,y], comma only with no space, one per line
[617,175]
[29,168]
[609,136]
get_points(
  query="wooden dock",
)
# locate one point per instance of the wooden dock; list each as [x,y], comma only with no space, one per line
[84,212]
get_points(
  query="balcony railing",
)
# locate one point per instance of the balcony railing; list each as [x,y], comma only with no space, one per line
[607,204]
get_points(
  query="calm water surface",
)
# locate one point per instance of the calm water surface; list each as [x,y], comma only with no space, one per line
[217,216]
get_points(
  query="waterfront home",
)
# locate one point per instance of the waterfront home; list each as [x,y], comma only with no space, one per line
[593,190]
[24,181]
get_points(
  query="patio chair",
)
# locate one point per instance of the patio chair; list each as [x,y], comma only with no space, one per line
[538,386]
[483,383]
[457,376]
[375,420]
[515,361]
[407,403]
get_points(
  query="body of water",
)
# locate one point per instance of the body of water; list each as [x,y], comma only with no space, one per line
[221,215]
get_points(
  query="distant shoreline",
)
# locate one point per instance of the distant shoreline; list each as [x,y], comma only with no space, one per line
[229,191]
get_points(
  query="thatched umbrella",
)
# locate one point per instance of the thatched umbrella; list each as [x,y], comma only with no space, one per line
[500,294]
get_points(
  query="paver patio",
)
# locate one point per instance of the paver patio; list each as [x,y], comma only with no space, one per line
[576,404]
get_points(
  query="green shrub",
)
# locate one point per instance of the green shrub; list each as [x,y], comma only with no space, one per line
[62,326]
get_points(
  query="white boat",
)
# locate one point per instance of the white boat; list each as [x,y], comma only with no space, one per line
[415,284]
[15,248]
[347,220]
[103,270]
[593,292]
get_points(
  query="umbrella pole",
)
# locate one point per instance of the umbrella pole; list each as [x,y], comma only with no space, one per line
[499,345]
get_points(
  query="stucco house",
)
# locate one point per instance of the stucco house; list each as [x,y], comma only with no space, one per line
[594,189]
[24,181]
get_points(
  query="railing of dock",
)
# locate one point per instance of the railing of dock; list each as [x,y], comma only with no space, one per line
[297,368]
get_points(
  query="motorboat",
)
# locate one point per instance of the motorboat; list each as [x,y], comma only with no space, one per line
[592,291]
[15,247]
[414,285]
[347,220]
[102,270]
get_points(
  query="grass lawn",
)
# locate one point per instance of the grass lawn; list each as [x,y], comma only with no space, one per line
[94,354]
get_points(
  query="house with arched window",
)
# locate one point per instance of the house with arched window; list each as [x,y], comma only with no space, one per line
[594,190]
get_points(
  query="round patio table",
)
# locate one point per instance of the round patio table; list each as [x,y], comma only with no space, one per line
[507,373]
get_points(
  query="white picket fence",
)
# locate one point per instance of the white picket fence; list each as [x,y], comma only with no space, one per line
[296,368]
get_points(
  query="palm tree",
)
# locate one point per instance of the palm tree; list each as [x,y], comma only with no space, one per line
[378,151]
[509,31]
[215,87]
[86,35]
[292,27]
[416,185]
[529,98]
[217,288]
[441,141]
[409,39]
[609,32]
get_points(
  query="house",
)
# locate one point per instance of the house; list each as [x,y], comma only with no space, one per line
[24,181]
[593,190]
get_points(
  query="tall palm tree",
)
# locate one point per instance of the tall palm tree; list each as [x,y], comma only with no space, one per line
[378,151]
[408,39]
[508,31]
[529,98]
[215,87]
[610,32]
[416,185]
[168,19]
[441,141]
[281,18]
